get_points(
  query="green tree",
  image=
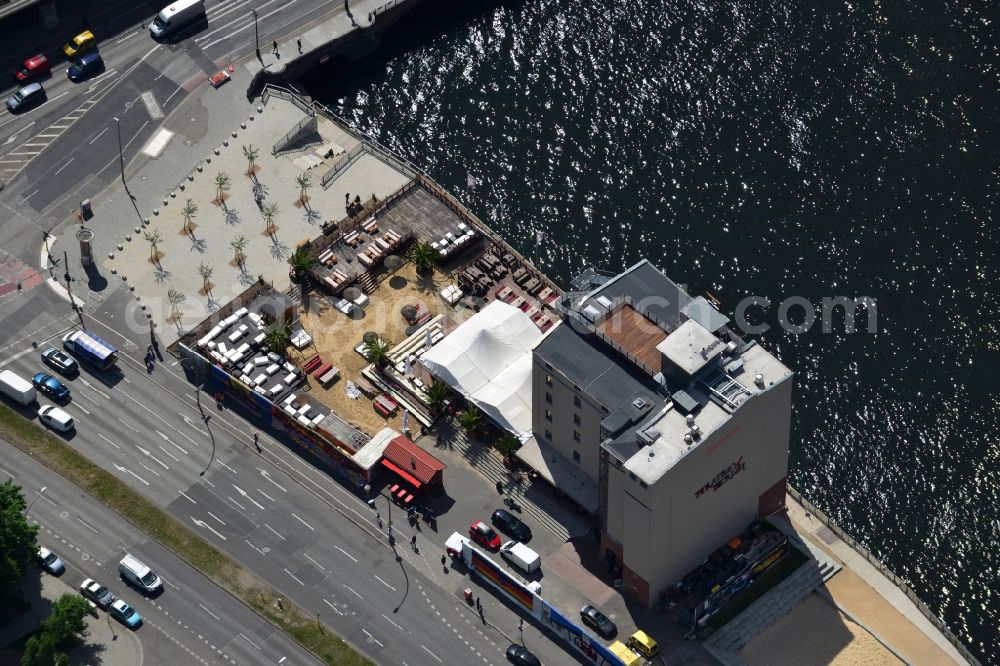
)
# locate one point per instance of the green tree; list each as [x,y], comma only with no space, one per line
[278,336]
[470,418]
[175,298]
[18,545]
[377,351]
[269,211]
[206,272]
[154,238]
[302,261]
[422,255]
[65,625]
[304,182]
[239,244]
[437,393]
[251,154]
[508,444]
[222,184]
[189,210]
[39,651]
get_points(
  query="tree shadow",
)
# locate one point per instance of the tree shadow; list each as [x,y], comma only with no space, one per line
[161,275]
[279,250]
[246,279]
[311,216]
[199,245]
[211,305]
[232,216]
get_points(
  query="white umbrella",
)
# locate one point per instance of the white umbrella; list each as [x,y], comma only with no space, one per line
[406,420]
[428,342]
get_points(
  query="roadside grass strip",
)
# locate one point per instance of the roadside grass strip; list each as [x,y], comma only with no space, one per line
[267,602]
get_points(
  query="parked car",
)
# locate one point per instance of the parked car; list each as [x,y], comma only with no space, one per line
[50,561]
[598,621]
[520,655]
[55,418]
[26,97]
[50,386]
[59,360]
[125,614]
[512,525]
[484,535]
[33,67]
[97,593]
[80,44]
[85,65]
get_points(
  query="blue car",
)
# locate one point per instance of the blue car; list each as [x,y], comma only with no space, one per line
[50,386]
[125,614]
[85,65]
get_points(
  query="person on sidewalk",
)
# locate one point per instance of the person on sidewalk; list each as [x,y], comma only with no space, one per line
[274,50]
[298,43]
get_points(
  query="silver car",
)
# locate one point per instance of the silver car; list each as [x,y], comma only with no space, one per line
[97,593]
[50,561]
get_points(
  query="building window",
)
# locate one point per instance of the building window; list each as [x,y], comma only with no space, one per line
[548,435]
[576,436]
[548,414]
[548,398]
[576,419]
[576,401]
[576,456]
[548,380]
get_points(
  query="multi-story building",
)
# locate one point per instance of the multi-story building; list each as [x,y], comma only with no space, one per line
[681,427]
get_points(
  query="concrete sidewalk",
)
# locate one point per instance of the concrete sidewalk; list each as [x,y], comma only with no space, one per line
[106,641]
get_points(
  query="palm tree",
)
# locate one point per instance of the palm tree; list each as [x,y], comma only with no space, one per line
[377,352]
[301,262]
[154,238]
[251,154]
[175,298]
[304,182]
[206,272]
[277,336]
[437,393]
[189,211]
[222,183]
[422,256]
[508,444]
[269,211]
[470,419]
[239,244]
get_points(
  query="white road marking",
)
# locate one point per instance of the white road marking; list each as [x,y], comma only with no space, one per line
[125,39]
[127,425]
[150,455]
[372,638]
[170,584]
[335,609]
[431,653]
[187,419]
[352,590]
[95,389]
[232,31]
[83,409]
[392,623]
[108,441]
[235,502]
[345,552]
[202,523]
[209,612]
[98,136]
[250,642]
[64,166]
[306,555]
[168,453]
[229,468]
[186,497]
[244,495]
[148,469]
[82,394]
[303,522]
[217,518]
[265,494]
[295,578]
[167,439]
[128,471]
[275,532]
[267,475]
[255,548]
[87,525]
[385,583]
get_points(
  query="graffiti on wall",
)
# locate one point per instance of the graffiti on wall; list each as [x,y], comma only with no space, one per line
[722,478]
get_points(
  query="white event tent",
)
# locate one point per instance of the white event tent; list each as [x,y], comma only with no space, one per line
[488,360]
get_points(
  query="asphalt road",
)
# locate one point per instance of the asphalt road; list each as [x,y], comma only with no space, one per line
[191,620]
[288,522]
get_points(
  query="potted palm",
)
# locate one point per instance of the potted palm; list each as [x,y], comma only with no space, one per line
[422,256]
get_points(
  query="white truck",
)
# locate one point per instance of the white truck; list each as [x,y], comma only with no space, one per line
[17,388]
[521,556]
[175,16]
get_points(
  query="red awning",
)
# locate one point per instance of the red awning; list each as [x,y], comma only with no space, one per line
[406,476]
[405,454]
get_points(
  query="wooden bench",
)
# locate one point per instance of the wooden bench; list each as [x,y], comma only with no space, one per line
[328,376]
[312,363]
[321,370]
[302,243]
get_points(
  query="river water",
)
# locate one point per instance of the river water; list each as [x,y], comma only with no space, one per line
[775,149]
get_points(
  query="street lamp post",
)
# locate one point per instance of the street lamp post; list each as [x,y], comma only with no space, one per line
[121,166]
[37,495]
[256,37]
[371,503]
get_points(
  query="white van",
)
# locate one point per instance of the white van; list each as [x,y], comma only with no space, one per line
[55,418]
[17,388]
[521,556]
[175,16]
[137,574]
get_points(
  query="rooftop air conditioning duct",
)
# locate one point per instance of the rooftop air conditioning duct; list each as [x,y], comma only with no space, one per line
[688,439]
[759,380]
[690,420]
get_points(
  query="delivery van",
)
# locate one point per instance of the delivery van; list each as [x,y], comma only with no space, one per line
[137,574]
[628,658]
[175,16]
[644,644]
[521,556]
[17,388]
[34,67]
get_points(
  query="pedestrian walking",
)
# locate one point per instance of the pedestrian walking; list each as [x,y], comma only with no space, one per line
[444,560]
[256,442]
[413,542]
[500,487]
[347,198]
[274,49]
[479,605]
[298,43]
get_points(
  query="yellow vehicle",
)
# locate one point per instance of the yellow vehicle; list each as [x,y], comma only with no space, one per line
[628,657]
[79,44]
[644,644]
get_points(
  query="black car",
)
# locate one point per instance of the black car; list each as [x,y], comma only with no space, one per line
[598,621]
[85,65]
[519,655]
[511,525]
[60,361]
[26,97]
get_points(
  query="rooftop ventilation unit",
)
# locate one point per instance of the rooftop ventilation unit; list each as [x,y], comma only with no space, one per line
[759,380]
[648,436]
[695,431]
[639,403]
[689,420]
[688,439]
